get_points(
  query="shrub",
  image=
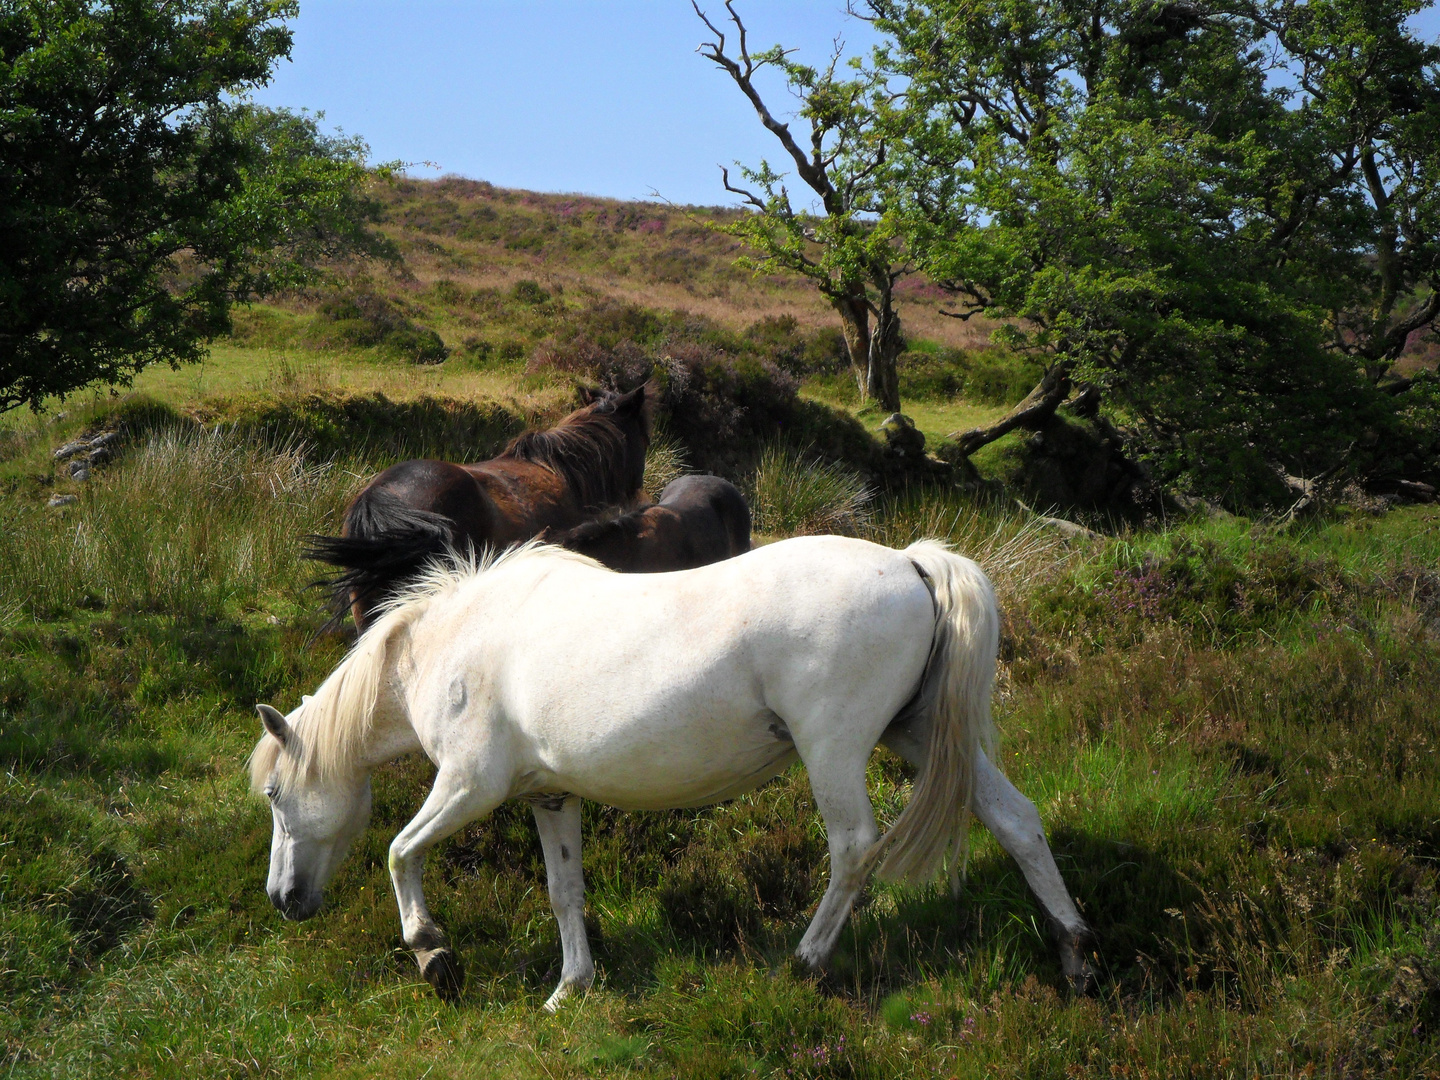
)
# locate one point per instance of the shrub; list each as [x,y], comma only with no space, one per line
[528,292]
[927,374]
[994,377]
[793,494]
[361,319]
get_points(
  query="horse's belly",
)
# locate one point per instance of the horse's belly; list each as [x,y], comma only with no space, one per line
[664,764]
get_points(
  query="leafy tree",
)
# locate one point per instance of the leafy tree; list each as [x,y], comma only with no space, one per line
[850,251]
[1367,91]
[139,197]
[1148,200]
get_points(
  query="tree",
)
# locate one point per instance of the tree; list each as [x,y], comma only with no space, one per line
[850,251]
[1369,91]
[141,196]
[1133,189]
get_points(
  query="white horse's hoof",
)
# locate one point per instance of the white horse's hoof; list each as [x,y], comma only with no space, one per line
[565,990]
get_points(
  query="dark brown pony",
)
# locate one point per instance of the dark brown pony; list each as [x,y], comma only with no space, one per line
[698,520]
[418,510]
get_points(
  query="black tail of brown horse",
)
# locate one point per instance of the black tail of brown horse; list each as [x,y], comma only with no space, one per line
[388,542]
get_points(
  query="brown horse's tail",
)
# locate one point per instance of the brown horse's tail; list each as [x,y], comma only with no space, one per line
[386,544]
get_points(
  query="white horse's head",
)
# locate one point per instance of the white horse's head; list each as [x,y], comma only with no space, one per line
[316,818]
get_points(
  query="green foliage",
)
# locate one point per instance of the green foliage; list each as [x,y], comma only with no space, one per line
[1163,213]
[1230,736]
[140,194]
[360,318]
[990,376]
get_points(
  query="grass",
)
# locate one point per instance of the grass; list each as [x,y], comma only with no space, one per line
[1229,730]
[1238,779]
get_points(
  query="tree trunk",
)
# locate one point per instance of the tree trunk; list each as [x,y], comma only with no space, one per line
[855,326]
[882,378]
[1037,408]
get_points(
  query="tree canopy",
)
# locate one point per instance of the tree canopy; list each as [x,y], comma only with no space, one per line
[1218,216]
[1208,210]
[141,194]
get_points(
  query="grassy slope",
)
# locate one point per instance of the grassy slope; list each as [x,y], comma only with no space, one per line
[466,245]
[1230,736]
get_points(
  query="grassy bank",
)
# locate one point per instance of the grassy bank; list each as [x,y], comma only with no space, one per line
[1230,734]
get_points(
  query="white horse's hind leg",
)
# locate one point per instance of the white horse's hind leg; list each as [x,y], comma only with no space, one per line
[1016,824]
[850,828]
[453,802]
[560,837]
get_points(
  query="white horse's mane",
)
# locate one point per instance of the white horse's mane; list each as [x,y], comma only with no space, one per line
[332,727]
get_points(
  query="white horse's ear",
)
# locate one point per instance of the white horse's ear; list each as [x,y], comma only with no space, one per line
[274,722]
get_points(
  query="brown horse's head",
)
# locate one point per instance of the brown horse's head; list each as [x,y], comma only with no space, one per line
[634,414]
[600,448]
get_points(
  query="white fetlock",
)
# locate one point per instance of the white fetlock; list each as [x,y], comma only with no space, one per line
[568,988]
[563,991]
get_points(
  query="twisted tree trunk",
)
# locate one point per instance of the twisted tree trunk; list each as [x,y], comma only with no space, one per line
[1033,413]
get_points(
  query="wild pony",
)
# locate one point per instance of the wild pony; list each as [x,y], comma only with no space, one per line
[540,675]
[698,520]
[419,510]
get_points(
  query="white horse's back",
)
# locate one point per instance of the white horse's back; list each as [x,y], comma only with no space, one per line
[650,691]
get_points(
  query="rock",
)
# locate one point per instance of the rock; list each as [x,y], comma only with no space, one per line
[80,470]
[62,500]
[902,437]
[1416,490]
[98,456]
[1069,529]
[105,438]
[70,449]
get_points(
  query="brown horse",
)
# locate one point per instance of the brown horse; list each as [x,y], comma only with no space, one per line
[698,520]
[418,510]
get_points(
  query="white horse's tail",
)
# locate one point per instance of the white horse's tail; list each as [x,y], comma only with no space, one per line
[954,698]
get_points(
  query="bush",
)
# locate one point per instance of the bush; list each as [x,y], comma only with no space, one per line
[794,494]
[991,377]
[999,378]
[724,395]
[360,319]
[528,292]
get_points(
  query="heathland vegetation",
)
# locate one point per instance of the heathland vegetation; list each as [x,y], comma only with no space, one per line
[1225,721]
[1219,693]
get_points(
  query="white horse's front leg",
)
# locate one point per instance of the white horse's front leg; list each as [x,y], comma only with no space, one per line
[452,803]
[560,837]
[1016,824]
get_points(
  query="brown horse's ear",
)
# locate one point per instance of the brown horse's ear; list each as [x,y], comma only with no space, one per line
[640,402]
[275,723]
[589,394]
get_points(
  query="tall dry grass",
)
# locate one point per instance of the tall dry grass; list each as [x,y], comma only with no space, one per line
[192,520]
[794,493]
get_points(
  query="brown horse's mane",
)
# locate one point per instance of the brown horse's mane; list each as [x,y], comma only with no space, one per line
[590,531]
[590,450]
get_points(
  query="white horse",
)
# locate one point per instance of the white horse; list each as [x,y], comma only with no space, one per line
[541,675]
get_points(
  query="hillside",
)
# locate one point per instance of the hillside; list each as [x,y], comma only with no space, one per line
[493,280]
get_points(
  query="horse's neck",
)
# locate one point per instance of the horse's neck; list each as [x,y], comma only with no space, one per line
[391,736]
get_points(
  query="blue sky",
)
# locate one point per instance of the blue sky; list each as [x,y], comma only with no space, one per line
[604,97]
